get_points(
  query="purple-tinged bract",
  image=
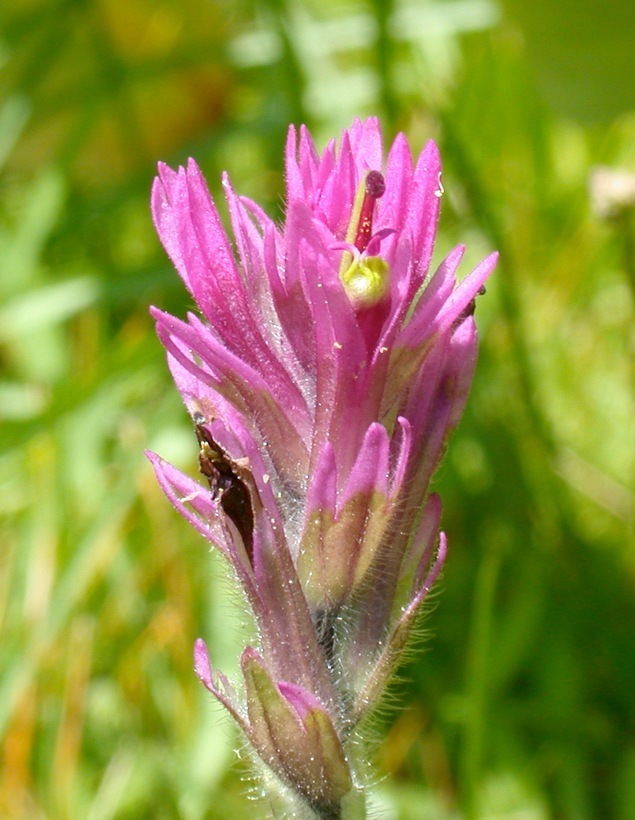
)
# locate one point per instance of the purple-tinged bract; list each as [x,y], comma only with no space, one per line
[323,373]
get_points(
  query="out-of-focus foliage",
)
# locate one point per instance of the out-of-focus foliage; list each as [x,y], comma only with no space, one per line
[581,53]
[523,703]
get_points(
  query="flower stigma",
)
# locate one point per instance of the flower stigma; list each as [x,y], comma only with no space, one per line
[365,278]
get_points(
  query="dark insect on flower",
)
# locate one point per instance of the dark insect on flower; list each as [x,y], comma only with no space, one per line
[226,485]
[471,307]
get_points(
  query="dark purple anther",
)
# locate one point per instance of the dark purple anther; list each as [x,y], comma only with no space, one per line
[375,184]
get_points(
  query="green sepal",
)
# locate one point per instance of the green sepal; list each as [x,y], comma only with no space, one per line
[335,555]
[303,749]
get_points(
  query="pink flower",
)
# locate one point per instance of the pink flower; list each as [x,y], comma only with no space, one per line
[324,375]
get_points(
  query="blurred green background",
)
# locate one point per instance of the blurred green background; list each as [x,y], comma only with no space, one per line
[523,703]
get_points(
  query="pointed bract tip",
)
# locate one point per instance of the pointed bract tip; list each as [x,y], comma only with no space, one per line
[202,666]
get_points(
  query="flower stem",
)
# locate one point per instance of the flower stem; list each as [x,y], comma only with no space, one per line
[332,812]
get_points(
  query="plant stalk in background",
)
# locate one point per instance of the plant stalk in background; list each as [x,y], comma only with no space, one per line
[323,375]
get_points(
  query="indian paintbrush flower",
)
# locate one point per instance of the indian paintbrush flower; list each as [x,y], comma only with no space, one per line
[323,375]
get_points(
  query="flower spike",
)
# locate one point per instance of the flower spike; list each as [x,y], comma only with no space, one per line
[324,374]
